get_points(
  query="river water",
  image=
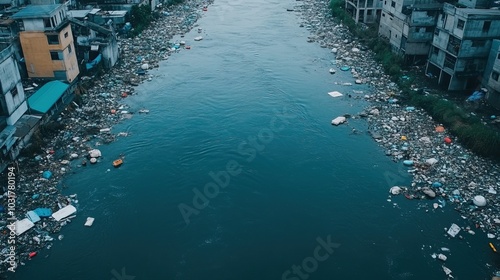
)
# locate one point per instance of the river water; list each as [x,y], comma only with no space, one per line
[297,198]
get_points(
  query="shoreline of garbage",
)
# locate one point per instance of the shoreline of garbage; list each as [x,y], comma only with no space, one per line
[442,171]
[38,205]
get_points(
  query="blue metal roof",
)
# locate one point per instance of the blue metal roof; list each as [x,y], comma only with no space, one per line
[44,98]
[36,11]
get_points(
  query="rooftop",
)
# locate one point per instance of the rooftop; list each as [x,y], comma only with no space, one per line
[42,100]
[78,13]
[36,11]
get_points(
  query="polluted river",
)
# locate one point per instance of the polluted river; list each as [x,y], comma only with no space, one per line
[236,172]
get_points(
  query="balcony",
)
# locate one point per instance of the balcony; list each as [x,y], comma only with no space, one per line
[449,62]
[453,45]
[5,53]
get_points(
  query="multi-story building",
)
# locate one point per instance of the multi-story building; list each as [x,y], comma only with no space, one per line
[12,103]
[47,43]
[9,35]
[93,41]
[476,4]
[491,76]
[409,27]
[365,11]
[461,45]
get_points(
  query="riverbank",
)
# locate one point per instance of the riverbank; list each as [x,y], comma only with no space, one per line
[86,125]
[446,174]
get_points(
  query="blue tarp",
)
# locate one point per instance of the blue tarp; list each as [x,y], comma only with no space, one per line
[94,62]
[476,96]
[43,212]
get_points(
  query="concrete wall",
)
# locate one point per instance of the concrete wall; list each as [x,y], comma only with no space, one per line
[468,49]
[37,24]
[474,27]
[417,48]
[475,4]
[15,105]
[422,18]
[37,54]
[457,83]
[493,65]
[110,54]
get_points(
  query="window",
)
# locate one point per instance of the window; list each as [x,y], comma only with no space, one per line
[385,2]
[435,50]
[429,29]
[53,39]
[494,75]
[478,44]
[60,75]
[46,22]
[486,26]
[393,4]
[369,12]
[383,14]
[69,49]
[14,92]
[460,24]
[436,32]
[66,35]
[498,56]
[369,3]
[56,55]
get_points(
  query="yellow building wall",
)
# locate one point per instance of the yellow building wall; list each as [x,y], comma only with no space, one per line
[36,50]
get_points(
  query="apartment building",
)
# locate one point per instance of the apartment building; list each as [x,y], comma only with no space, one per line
[409,27]
[461,45]
[47,42]
[365,11]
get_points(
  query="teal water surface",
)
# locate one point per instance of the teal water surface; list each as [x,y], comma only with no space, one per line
[247,108]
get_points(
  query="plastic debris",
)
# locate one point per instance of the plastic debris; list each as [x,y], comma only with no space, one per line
[89,221]
[335,94]
[64,212]
[395,190]
[47,174]
[479,200]
[338,120]
[95,153]
[453,230]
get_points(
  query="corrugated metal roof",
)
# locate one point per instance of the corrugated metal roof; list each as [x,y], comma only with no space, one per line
[78,13]
[36,11]
[25,124]
[42,100]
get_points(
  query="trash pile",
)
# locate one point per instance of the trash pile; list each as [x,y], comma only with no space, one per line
[442,170]
[40,209]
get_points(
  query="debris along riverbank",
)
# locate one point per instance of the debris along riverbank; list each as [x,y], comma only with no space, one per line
[444,172]
[39,205]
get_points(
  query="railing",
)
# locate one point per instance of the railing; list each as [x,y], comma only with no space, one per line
[6,53]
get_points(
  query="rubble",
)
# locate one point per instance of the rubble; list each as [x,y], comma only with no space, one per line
[86,124]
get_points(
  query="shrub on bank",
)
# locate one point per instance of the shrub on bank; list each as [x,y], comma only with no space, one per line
[140,18]
[369,36]
[471,131]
